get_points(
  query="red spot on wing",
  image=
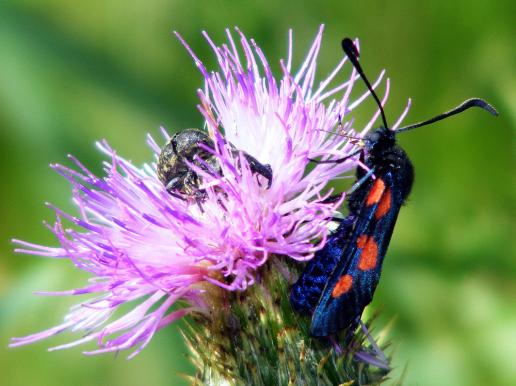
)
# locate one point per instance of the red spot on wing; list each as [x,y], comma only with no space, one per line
[376,192]
[384,205]
[343,285]
[361,241]
[369,254]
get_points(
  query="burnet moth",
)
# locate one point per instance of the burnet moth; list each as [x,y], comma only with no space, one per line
[340,280]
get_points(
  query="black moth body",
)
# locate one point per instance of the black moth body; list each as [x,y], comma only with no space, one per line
[341,279]
[339,282]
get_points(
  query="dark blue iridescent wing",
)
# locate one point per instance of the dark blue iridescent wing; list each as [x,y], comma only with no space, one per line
[307,290]
[352,283]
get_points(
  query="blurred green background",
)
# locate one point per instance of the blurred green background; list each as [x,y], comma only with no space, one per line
[72,73]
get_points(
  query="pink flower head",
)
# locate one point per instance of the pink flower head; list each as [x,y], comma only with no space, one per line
[143,245]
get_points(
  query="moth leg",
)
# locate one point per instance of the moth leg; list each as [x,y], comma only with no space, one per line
[336,197]
[357,184]
[336,161]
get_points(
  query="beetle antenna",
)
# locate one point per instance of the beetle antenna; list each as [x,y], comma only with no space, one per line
[352,53]
[468,103]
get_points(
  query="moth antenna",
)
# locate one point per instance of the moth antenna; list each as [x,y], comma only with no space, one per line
[468,103]
[352,53]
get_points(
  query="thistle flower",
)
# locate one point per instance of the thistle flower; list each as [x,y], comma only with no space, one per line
[141,244]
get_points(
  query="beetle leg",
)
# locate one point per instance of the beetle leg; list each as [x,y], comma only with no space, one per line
[261,169]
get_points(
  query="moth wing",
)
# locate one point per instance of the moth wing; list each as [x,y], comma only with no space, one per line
[307,290]
[352,283]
